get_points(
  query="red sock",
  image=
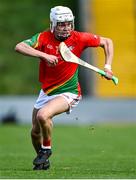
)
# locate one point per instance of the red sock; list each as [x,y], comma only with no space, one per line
[46,144]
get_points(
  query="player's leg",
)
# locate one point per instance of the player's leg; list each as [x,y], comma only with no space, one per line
[44,116]
[36,136]
[55,106]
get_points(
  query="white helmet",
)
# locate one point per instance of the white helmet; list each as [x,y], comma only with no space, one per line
[60,14]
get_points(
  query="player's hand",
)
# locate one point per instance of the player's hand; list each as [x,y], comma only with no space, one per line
[109,74]
[51,59]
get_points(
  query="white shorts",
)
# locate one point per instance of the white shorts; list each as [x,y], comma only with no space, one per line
[72,100]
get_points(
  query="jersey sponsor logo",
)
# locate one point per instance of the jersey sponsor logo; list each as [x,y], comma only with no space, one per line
[49,46]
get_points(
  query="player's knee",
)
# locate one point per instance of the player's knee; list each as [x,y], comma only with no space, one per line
[43,117]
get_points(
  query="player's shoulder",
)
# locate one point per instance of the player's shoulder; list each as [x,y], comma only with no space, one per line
[45,36]
[80,34]
[45,33]
[76,33]
[84,35]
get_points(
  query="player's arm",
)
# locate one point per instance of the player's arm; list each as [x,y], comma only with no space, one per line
[26,49]
[107,45]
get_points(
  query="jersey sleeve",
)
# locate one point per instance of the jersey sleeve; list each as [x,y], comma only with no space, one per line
[33,41]
[90,40]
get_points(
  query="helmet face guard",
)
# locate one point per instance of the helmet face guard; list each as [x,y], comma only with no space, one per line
[63,30]
[60,14]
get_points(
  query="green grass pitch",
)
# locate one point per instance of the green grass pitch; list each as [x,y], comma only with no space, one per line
[98,151]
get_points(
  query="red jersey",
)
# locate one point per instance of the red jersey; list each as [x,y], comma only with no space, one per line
[64,76]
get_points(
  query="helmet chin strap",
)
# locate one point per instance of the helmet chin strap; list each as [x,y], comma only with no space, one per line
[61,38]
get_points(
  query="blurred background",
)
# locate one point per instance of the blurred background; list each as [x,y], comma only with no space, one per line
[102,100]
